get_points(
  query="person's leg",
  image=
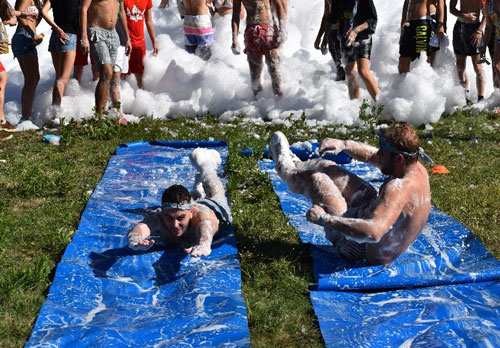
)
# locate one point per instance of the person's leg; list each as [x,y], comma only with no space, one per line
[461,73]
[78,72]
[480,79]
[255,65]
[273,66]
[29,68]
[206,162]
[3,84]
[352,80]
[496,63]
[102,88]
[318,187]
[336,53]
[404,64]
[64,62]
[367,76]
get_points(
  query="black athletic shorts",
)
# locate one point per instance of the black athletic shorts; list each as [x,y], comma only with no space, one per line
[359,49]
[462,33]
[415,38]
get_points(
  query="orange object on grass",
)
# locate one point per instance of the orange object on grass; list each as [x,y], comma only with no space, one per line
[439,169]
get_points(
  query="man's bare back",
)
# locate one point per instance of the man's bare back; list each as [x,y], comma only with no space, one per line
[102,13]
[195,7]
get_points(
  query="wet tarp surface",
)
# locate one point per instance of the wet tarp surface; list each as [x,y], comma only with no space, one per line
[446,258]
[106,295]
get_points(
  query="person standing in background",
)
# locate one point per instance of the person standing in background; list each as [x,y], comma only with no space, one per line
[139,12]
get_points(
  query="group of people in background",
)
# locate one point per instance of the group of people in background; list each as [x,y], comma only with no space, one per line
[113,32]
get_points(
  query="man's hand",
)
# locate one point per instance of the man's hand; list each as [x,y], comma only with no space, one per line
[315,215]
[155,49]
[282,33]
[235,47]
[84,42]
[471,17]
[317,43]
[351,38]
[128,47]
[331,146]
[62,36]
[475,38]
[143,244]
[38,39]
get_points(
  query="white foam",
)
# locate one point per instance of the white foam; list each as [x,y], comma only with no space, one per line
[177,83]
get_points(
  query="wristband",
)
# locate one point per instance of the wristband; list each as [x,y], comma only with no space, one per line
[439,24]
[479,32]
[356,30]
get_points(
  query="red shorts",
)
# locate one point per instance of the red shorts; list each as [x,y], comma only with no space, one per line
[80,58]
[1,67]
[136,63]
[260,38]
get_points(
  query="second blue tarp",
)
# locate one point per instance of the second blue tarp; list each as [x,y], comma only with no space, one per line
[442,292]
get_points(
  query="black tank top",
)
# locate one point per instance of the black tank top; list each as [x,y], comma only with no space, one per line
[66,14]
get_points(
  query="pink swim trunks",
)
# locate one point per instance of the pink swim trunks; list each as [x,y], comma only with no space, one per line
[260,38]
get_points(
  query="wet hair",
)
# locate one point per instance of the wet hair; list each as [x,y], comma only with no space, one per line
[176,194]
[402,136]
[5,10]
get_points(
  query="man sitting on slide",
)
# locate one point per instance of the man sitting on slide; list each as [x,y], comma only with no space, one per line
[363,224]
[183,223]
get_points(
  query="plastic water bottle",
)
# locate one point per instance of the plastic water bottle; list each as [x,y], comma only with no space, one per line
[4,38]
[434,42]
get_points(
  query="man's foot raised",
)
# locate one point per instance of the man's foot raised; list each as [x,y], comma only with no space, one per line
[205,158]
[279,149]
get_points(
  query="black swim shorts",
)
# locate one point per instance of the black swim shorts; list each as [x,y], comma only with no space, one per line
[360,49]
[462,33]
[415,39]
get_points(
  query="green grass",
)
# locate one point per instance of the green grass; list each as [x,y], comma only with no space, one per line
[44,189]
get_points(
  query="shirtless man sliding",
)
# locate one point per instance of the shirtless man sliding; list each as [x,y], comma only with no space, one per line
[416,30]
[183,223]
[98,20]
[362,224]
[262,38]
[468,41]
[199,35]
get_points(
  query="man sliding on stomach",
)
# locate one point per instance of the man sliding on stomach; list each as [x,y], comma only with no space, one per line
[183,223]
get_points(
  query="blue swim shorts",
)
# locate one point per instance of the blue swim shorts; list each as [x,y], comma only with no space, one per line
[57,47]
[23,44]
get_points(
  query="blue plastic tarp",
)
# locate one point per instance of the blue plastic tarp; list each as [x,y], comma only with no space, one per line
[442,292]
[106,295]
[462,315]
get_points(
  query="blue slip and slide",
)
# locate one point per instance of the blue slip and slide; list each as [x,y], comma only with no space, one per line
[442,292]
[107,295]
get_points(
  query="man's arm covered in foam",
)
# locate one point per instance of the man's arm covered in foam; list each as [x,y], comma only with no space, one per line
[359,151]
[366,230]
[137,237]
